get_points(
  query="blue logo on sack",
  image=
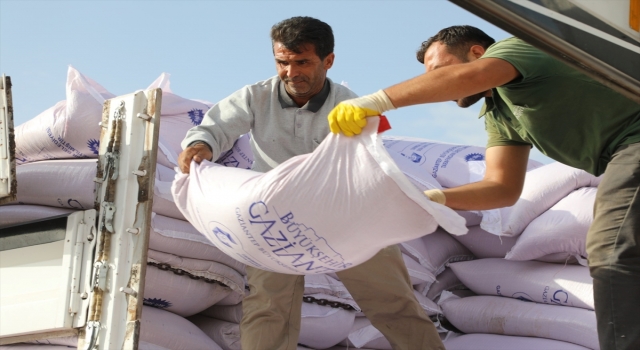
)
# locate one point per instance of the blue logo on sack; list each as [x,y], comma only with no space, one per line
[473,157]
[157,303]
[196,116]
[224,237]
[415,157]
[522,296]
[558,296]
[231,162]
[94,145]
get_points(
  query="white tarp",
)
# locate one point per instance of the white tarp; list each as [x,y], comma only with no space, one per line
[315,213]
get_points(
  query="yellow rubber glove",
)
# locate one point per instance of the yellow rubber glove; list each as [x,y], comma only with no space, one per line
[436,195]
[350,116]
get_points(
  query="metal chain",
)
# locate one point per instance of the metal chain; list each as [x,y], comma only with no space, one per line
[179,272]
[324,302]
[306,299]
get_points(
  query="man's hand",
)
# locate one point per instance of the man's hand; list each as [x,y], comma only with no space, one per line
[436,195]
[197,151]
[349,117]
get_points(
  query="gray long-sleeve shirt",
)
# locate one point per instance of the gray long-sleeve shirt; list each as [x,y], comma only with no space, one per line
[279,128]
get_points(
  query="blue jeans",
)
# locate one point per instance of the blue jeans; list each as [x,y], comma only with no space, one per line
[613,246]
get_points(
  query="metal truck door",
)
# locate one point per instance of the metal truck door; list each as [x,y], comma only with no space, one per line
[7,144]
[600,38]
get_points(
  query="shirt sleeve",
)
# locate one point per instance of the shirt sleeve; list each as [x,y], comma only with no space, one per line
[528,60]
[500,134]
[223,123]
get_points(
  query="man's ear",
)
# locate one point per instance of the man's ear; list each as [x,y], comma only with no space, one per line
[328,61]
[476,51]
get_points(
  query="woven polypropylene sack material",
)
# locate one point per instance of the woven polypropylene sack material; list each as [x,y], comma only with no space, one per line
[543,188]
[435,251]
[540,282]
[180,238]
[159,330]
[225,334]
[179,114]
[316,213]
[483,244]
[507,316]
[322,327]
[560,232]
[18,214]
[69,129]
[69,183]
[505,342]
[451,165]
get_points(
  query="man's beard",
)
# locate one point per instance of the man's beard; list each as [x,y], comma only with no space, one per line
[470,100]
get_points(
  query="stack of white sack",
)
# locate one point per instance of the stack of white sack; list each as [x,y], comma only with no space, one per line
[186,274]
[520,292]
[70,129]
[549,223]
[160,330]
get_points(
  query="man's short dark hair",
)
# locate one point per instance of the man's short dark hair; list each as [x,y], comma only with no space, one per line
[458,40]
[294,32]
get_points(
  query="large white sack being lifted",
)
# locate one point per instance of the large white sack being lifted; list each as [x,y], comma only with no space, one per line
[315,213]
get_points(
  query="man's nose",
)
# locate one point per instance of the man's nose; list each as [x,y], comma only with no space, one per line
[292,71]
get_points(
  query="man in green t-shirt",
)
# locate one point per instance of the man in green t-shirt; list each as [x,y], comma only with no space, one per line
[533,99]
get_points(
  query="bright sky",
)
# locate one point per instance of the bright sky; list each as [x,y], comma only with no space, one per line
[213,48]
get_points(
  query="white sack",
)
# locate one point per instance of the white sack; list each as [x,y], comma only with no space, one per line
[451,165]
[322,327]
[159,330]
[22,346]
[228,313]
[233,298]
[178,116]
[484,244]
[417,273]
[541,282]
[498,315]
[180,238]
[559,233]
[181,295]
[473,218]
[69,129]
[68,183]
[240,155]
[163,199]
[428,305]
[315,213]
[543,187]
[172,331]
[504,342]
[225,334]
[18,214]
[364,335]
[447,280]
[435,251]
[325,287]
[203,268]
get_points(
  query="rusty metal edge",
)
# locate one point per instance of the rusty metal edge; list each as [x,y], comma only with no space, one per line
[143,218]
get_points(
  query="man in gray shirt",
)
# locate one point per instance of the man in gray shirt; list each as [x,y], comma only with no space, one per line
[286,116]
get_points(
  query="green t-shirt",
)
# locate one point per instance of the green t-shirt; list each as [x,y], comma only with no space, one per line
[565,114]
